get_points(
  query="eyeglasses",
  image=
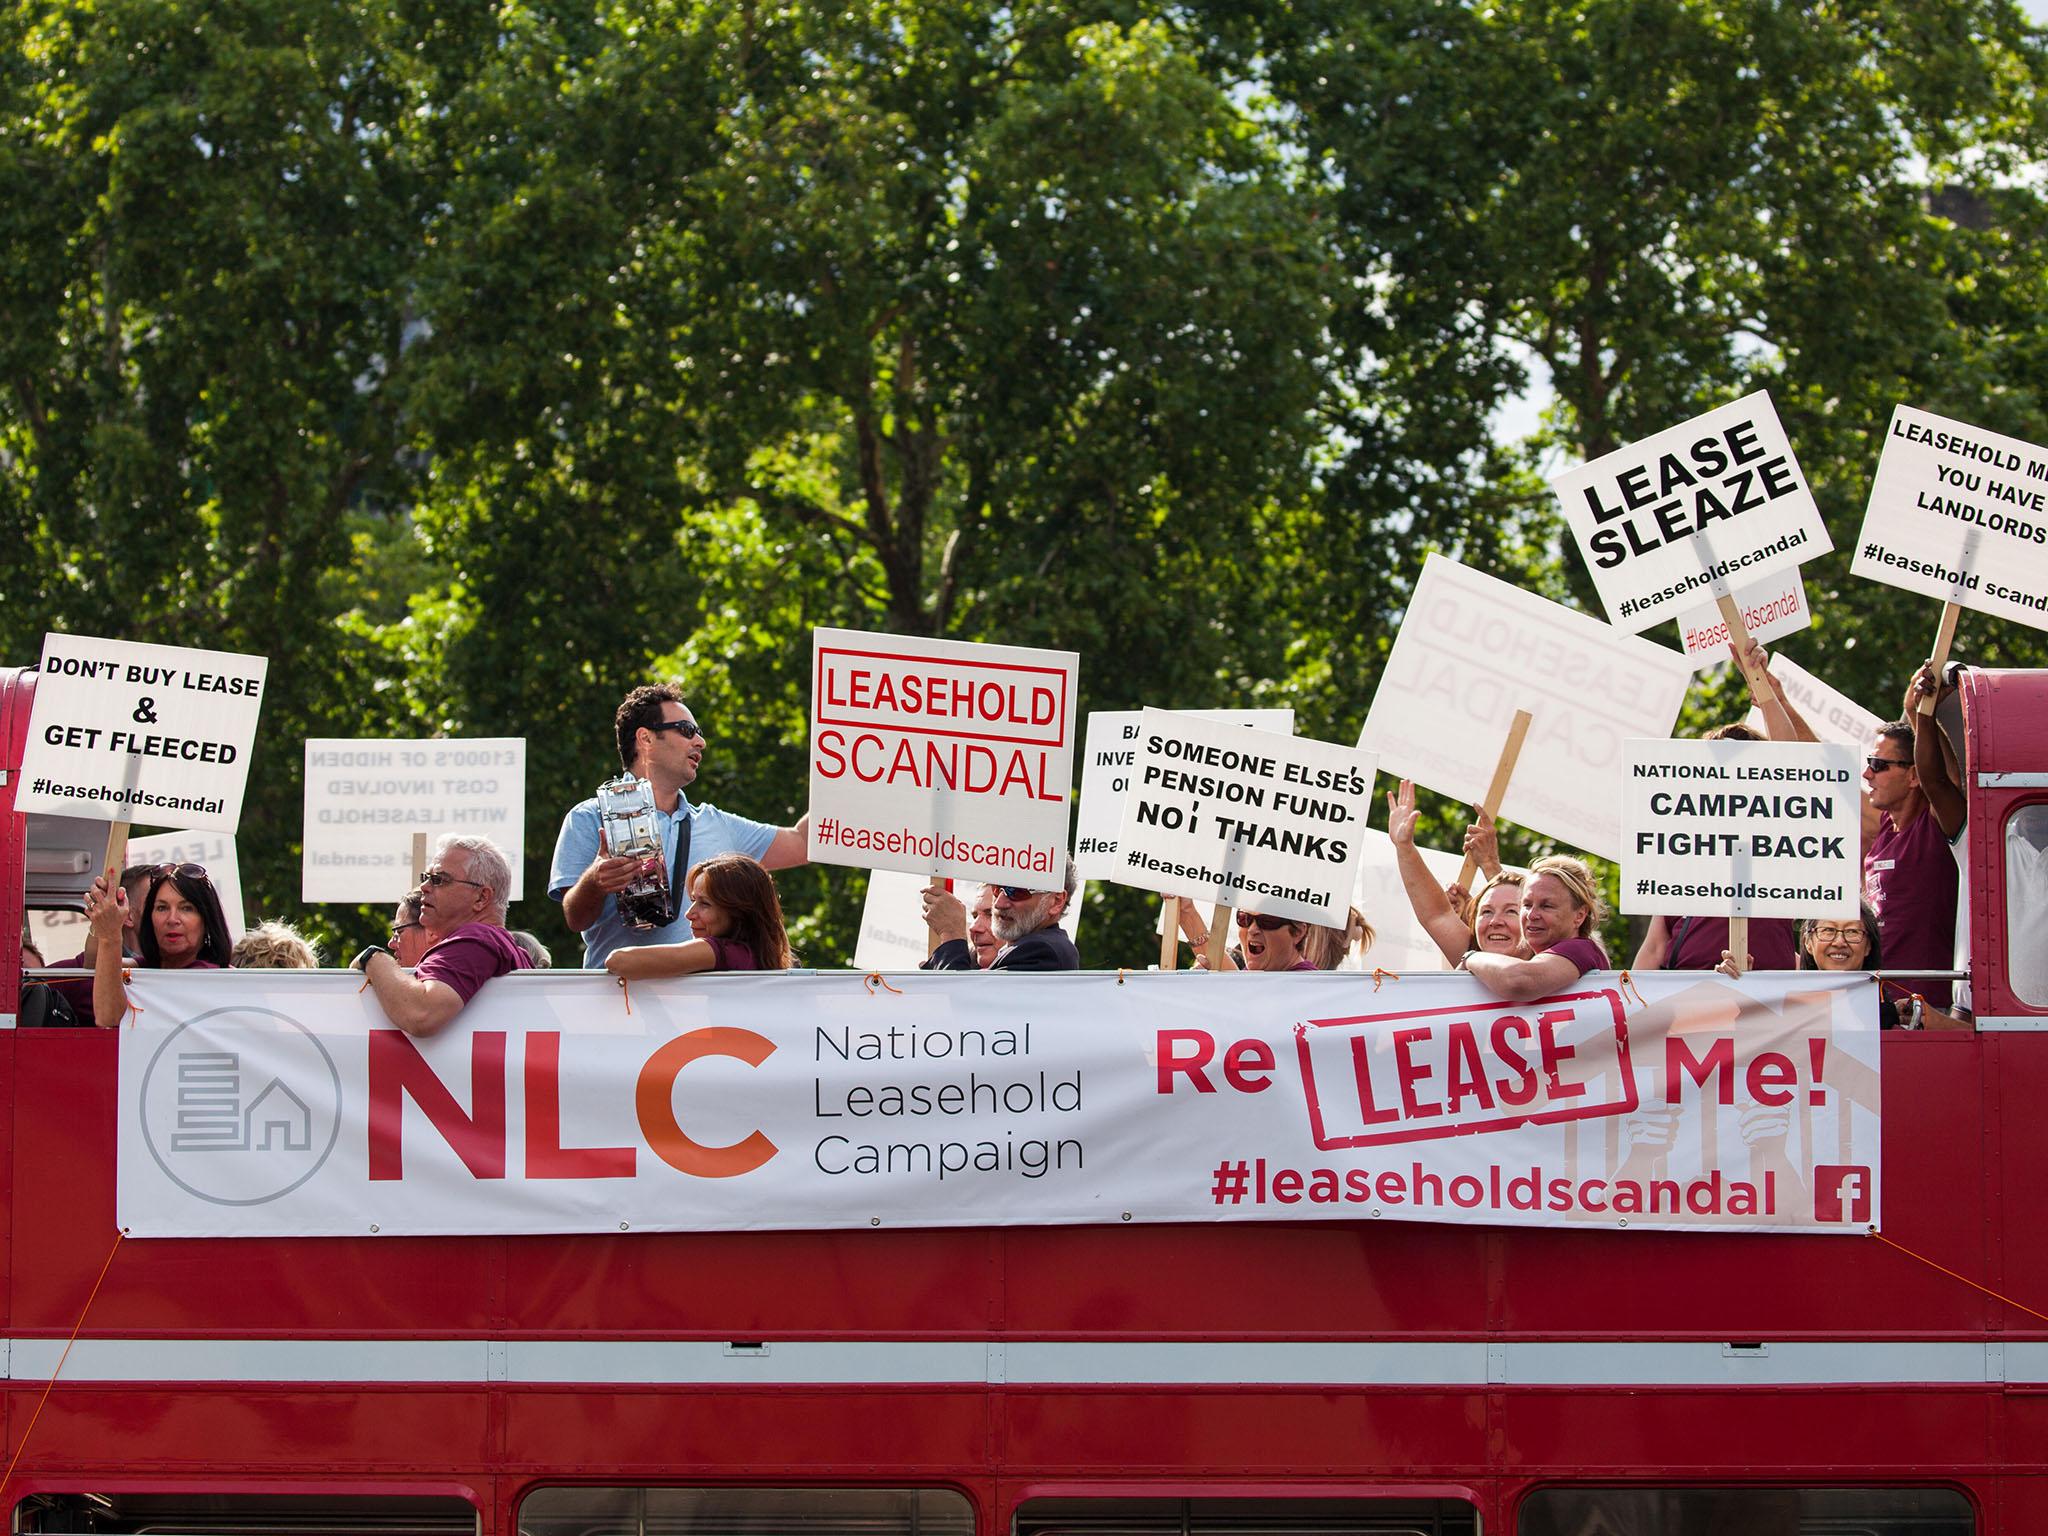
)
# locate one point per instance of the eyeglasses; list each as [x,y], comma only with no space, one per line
[403,928]
[1016,892]
[688,728]
[1833,933]
[1266,924]
[1877,765]
[436,878]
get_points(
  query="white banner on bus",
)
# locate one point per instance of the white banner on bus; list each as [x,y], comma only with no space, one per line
[1742,829]
[1470,652]
[1770,608]
[278,1103]
[1106,762]
[941,758]
[1677,518]
[893,936]
[1833,715]
[1257,821]
[61,934]
[1959,514]
[122,731]
[366,799]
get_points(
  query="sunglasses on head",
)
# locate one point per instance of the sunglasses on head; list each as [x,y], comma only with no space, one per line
[1880,764]
[688,728]
[189,871]
[1266,924]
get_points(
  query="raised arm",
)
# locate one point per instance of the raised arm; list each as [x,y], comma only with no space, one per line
[1944,796]
[1781,721]
[1432,908]
[106,909]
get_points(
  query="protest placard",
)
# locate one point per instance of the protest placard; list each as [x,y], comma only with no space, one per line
[1959,514]
[1244,818]
[1679,517]
[61,934]
[941,758]
[1742,829]
[1770,608]
[1472,650]
[1109,752]
[126,732]
[1834,716]
[893,936]
[366,799]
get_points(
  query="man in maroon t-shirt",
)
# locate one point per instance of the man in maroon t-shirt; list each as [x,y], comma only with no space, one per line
[462,898]
[1909,871]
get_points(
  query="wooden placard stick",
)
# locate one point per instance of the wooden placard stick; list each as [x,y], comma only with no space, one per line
[1944,638]
[419,858]
[1497,791]
[117,852]
[1219,935]
[1738,943]
[1738,634]
[1169,936]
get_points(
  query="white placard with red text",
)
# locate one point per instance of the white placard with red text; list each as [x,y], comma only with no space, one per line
[1109,751]
[1961,515]
[941,758]
[278,1103]
[1472,650]
[365,800]
[122,731]
[1770,608]
[1250,819]
[1679,518]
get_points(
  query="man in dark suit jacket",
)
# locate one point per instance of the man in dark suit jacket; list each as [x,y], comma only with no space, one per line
[1026,922]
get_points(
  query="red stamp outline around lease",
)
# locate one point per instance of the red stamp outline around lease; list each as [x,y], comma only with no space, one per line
[1619,1106]
[1058,673]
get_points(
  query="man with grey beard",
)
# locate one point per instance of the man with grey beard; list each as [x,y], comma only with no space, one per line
[1026,924]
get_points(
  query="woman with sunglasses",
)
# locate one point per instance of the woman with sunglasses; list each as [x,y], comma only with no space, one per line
[182,928]
[1838,944]
[736,917]
[1268,944]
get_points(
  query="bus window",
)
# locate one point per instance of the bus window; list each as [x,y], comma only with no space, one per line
[235,1514]
[1246,1517]
[2026,904]
[746,1512]
[1745,1512]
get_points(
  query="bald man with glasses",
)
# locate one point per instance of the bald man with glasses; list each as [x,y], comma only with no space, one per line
[1026,924]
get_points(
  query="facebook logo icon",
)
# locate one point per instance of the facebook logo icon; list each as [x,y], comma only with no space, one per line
[1841,1192]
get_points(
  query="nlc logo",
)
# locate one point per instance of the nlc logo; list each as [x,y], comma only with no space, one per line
[397,1072]
[1841,1192]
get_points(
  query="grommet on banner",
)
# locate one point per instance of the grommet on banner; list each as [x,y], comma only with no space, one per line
[876,978]
[1628,990]
[133,1006]
[1120,974]
[627,995]
[1380,977]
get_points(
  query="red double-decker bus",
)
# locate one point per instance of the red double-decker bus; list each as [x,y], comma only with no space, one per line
[1319,1377]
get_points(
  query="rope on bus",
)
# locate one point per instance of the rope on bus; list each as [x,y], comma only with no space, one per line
[1953,1275]
[14,1460]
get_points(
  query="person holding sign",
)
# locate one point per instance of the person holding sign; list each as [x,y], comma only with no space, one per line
[1909,871]
[1026,923]
[462,897]
[981,933]
[1495,915]
[736,918]
[1560,910]
[659,740]
[182,927]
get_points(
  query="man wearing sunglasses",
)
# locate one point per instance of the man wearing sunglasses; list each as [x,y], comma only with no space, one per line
[1026,924]
[1912,821]
[659,740]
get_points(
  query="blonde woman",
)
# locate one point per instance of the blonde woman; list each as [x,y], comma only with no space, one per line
[1560,910]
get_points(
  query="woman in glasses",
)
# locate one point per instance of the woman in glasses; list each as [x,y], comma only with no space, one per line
[182,928]
[1851,944]
[736,917]
[1265,944]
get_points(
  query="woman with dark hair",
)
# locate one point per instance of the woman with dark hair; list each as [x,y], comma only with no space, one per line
[1829,944]
[736,917]
[182,928]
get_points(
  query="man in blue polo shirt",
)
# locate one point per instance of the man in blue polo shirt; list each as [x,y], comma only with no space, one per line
[659,741]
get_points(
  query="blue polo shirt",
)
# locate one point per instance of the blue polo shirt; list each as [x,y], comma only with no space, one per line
[712,832]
